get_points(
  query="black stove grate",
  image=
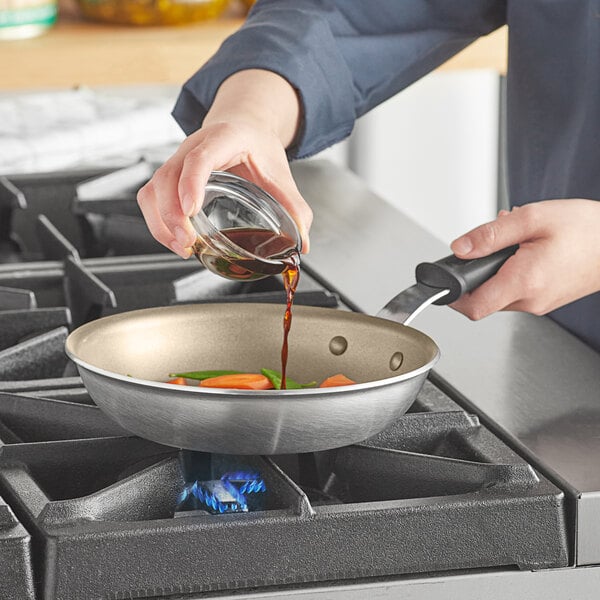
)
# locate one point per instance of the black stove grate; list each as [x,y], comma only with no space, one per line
[16,566]
[452,498]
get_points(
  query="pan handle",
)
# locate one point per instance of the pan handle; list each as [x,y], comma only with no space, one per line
[461,276]
[443,282]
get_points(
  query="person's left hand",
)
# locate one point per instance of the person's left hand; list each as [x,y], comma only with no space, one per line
[558,260]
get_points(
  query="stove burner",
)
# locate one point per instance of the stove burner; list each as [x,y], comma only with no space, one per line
[225,495]
[248,483]
[215,495]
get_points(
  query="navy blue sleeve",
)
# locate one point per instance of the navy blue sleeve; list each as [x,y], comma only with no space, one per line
[344,57]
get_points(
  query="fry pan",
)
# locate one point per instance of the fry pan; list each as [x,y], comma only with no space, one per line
[124,359]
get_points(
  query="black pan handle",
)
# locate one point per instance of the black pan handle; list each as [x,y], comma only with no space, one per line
[461,276]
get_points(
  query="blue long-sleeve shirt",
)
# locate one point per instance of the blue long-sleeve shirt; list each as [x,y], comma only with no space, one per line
[346,56]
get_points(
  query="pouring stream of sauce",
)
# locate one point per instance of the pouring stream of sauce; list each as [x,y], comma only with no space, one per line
[291,277]
[278,249]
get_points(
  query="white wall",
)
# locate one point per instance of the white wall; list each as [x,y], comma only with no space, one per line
[433,150]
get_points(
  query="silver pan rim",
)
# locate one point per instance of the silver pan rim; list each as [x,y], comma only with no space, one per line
[270,394]
[221,393]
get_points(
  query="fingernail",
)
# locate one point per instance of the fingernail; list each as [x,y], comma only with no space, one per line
[187,205]
[462,245]
[305,243]
[179,249]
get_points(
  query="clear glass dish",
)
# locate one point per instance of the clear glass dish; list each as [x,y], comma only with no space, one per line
[243,232]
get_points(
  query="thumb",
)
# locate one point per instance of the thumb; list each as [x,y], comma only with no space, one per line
[506,230]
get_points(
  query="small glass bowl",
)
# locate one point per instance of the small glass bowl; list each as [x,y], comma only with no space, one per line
[243,233]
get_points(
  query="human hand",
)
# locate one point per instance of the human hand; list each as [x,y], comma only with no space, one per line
[240,134]
[558,260]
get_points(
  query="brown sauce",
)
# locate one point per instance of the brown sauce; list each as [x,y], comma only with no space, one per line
[291,277]
[262,243]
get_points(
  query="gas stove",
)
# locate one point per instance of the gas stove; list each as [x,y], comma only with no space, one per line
[451,499]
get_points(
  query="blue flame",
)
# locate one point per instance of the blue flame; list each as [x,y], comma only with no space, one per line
[225,495]
[246,483]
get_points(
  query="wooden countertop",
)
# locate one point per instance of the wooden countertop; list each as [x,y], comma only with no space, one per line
[76,52]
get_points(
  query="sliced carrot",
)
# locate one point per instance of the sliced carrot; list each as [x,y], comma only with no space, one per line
[336,380]
[239,381]
[178,381]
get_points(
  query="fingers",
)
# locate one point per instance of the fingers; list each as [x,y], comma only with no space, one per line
[154,220]
[526,282]
[509,286]
[508,229]
[176,191]
[192,181]
[217,149]
[173,194]
[504,288]
[498,293]
[160,206]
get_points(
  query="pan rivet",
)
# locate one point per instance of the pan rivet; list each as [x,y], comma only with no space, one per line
[396,361]
[338,345]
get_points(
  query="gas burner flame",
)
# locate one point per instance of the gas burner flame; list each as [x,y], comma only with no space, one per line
[224,495]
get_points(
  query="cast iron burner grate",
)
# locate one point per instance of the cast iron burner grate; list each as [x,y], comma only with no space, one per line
[16,568]
[96,228]
[436,491]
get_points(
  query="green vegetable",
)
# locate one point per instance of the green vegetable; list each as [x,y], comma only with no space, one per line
[275,378]
[201,375]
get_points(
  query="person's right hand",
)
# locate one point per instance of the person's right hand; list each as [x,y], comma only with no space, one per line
[245,143]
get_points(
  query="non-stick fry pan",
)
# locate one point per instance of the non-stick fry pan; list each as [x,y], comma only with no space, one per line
[125,358]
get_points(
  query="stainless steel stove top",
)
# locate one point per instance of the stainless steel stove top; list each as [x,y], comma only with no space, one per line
[524,375]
